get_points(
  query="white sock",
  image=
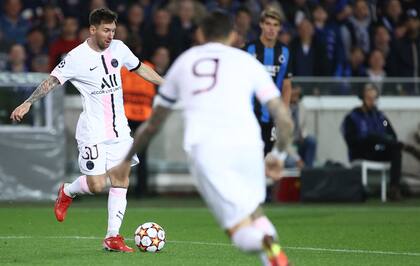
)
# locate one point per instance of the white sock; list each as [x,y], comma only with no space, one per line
[117,203]
[248,239]
[265,225]
[78,187]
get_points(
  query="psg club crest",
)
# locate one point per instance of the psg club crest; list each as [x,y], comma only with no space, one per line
[114,62]
[90,165]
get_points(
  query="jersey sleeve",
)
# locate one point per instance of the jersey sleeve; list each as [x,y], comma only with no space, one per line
[265,89]
[65,70]
[129,59]
[168,93]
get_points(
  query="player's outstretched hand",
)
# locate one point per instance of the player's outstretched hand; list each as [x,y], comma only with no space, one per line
[273,167]
[20,111]
[121,171]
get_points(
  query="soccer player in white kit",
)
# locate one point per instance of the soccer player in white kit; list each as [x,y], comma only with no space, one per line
[102,133]
[215,84]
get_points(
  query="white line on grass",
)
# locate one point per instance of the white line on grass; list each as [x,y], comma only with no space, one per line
[359,251]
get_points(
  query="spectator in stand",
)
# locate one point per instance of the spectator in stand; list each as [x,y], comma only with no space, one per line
[339,10]
[4,51]
[304,143]
[17,59]
[83,34]
[392,16]
[186,14]
[35,44]
[309,57]
[135,21]
[243,25]
[355,67]
[50,22]
[161,33]
[71,8]
[138,100]
[327,32]
[67,41]
[369,135]
[404,58]
[285,37]
[229,6]
[12,24]
[121,33]
[381,40]
[297,10]
[161,59]
[356,32]
[40,64]
[376,70]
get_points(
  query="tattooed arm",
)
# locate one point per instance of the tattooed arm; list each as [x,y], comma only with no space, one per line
[43,89]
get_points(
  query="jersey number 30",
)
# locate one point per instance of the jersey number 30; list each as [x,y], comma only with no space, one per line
[206,68]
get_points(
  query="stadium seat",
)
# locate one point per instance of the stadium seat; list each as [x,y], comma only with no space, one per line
[383,167]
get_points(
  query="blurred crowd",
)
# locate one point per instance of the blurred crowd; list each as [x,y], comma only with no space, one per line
[342,38]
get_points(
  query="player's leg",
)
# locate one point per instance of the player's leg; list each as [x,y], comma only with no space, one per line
[82,185]
[92,165]
[226,177]
[117,197]
[256,233]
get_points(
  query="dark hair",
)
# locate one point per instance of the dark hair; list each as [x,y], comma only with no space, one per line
[216,25]
[102,15]
[367,87]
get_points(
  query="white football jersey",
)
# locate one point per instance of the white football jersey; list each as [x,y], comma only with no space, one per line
[97,77]
[215,84]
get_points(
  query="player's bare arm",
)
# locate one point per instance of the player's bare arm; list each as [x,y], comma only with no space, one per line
[148,130]
[284,129]
[144,134]
[282,121]
[286,92]
[43,89]
[149,74]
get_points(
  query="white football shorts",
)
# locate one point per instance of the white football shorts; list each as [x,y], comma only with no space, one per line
[230,178]
[97,159]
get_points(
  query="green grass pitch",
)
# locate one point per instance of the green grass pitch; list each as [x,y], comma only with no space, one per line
[312,234]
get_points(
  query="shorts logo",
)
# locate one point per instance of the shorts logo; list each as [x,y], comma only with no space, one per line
[114,62]
[90,165]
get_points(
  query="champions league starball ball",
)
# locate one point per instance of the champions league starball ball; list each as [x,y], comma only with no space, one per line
[150,237]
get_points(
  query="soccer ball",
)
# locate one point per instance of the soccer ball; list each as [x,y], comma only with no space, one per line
[150,237]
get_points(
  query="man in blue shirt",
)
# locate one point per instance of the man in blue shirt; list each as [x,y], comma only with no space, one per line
[369,135]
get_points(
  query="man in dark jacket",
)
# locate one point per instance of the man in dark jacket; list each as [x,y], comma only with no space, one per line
[369,135]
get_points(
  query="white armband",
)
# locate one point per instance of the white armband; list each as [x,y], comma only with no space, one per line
[280,155]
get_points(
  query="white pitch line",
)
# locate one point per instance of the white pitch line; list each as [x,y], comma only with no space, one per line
[357,251]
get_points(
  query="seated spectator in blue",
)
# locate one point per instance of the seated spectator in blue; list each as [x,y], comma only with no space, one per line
[369,135]
[305,143]
[12,24]
[17,59]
